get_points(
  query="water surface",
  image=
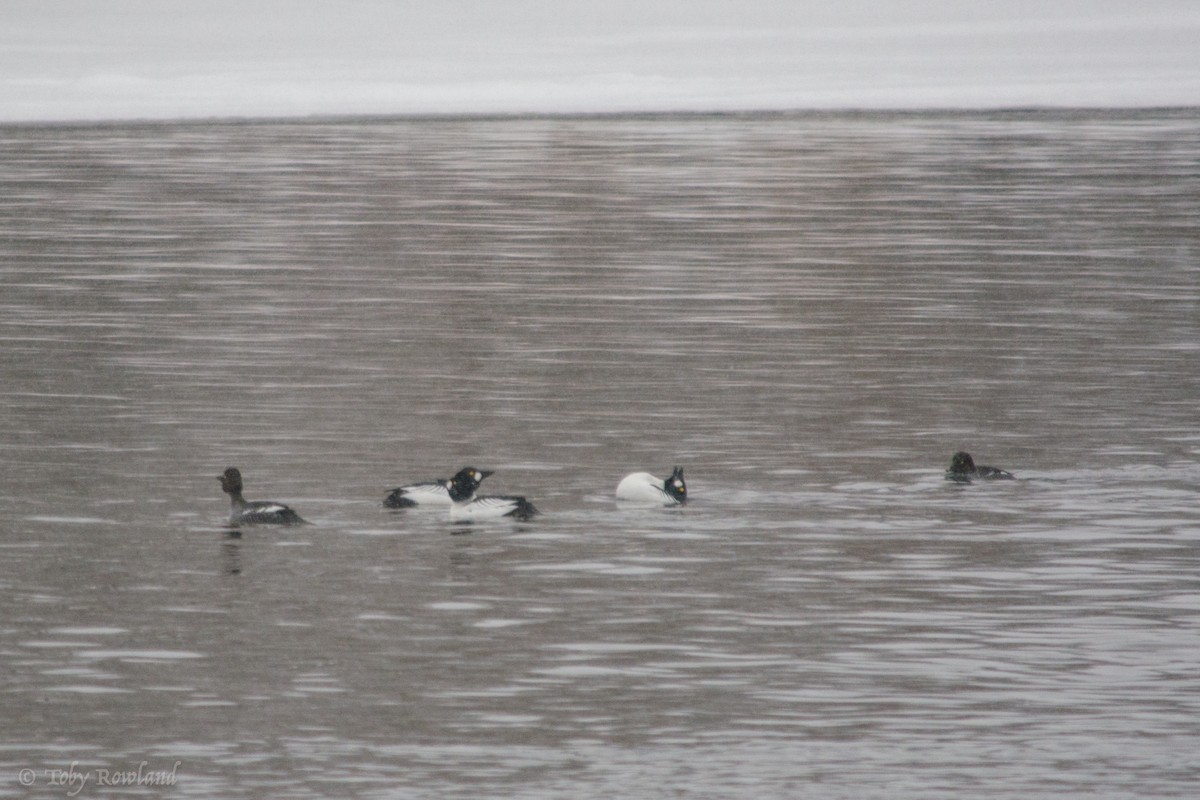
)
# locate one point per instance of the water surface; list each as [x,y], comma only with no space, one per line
[809,313]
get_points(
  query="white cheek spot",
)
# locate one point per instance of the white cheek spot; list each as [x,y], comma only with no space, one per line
[678,484]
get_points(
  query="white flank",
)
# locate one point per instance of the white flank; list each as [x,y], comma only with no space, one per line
[427,494]
[483,508]
[642,487]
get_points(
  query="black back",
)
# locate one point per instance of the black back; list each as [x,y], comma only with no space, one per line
[397,499]
[524,509]
[263,512]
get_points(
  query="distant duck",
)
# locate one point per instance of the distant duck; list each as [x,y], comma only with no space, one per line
[464,505]
[255,512]
[645,488]
[963,470]
[433,493]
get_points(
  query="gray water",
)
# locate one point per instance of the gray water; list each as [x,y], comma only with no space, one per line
[809,313]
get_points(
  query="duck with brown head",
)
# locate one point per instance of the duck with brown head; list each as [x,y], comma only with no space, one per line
[253,512]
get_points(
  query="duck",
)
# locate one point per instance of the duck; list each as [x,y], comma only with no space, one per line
[465,505]
[254,512]
[646,488]
[434,492]
[963,470]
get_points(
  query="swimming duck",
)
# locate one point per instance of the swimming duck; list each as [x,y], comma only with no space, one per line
[646,488]
[432,493]
[465,505]
[963,470]
[254,512]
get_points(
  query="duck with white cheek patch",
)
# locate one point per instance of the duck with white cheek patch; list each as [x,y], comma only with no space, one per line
[432,493]
[642,487]
[465,505]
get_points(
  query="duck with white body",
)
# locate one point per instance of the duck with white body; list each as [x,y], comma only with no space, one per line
[642,487]
[466,506]
[432,493]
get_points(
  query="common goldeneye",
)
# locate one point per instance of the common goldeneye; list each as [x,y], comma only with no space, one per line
[466,506]
[432,493]
[963,470]
[645,488]
[255,512]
